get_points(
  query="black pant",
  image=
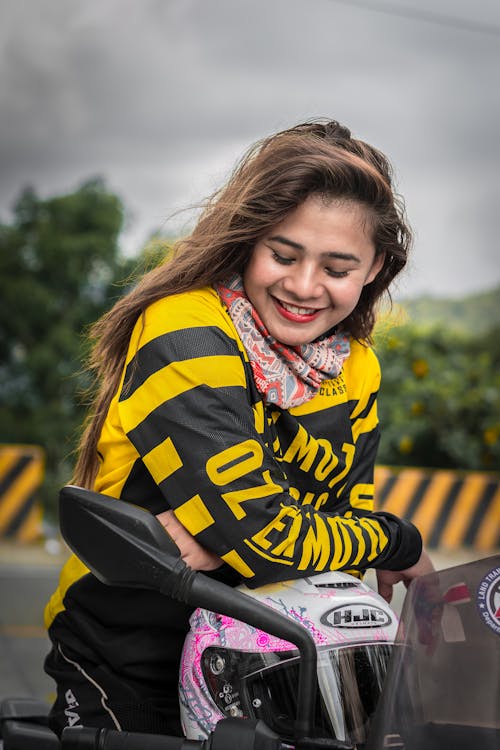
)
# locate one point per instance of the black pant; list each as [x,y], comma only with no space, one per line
[90,695]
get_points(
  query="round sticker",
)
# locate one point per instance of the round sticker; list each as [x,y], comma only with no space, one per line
[488,599]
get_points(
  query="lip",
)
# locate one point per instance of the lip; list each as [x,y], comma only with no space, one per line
[294,316]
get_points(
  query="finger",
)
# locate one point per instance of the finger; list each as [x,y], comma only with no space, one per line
[385,590]
[204,561]
[164,517]
[201,559]
[174,527]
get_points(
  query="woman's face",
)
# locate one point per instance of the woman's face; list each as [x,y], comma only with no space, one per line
[306,275]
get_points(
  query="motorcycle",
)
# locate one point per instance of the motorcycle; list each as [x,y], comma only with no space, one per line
[440,687]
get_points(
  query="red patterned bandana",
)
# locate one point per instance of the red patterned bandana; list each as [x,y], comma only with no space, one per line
[285,376]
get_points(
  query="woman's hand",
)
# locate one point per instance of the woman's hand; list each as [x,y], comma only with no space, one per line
[193,554]
[428,601]
[386,579]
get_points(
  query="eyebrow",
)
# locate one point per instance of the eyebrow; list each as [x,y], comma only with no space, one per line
[297,246]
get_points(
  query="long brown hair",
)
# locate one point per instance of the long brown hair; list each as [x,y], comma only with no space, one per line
[275,176]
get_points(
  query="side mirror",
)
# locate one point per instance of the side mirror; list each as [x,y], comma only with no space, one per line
[125,545]
[122,544]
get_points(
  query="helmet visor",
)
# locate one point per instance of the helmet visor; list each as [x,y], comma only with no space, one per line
[264,686]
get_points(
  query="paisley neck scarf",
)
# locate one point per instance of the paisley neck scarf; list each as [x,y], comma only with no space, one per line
[284,375]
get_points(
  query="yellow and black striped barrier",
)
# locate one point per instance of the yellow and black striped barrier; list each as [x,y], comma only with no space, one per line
[452,509]
[21,474]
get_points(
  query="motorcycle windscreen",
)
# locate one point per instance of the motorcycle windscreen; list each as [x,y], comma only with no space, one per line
[443,683]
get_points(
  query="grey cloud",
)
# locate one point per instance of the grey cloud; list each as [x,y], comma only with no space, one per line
[162,96]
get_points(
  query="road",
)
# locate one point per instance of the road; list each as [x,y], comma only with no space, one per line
[27,578]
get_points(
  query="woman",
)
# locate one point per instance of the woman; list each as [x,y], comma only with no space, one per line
[238,403]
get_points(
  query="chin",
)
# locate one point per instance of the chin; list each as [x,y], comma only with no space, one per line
[295,339]
[292,342]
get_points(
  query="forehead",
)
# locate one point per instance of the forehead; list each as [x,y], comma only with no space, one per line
[326,219]
[316,206]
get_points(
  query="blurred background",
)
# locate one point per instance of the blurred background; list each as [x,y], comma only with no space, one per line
[119,117]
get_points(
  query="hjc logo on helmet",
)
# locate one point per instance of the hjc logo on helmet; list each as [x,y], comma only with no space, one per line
[356,616]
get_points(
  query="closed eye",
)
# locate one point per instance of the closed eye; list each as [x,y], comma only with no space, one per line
[282,258]
[336,274]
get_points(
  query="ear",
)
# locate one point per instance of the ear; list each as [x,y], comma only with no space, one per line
[377,264]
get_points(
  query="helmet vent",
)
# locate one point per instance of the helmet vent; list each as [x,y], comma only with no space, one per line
[337,585]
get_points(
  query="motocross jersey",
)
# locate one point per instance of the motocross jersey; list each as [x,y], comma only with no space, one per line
[276,494]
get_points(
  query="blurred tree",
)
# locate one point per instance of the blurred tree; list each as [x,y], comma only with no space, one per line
[59,268]
[440,398]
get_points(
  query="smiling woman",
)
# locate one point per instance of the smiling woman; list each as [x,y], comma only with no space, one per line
[237,402]
[306,275]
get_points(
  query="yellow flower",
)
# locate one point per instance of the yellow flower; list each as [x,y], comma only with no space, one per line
[490,436]
[393,342]
[406,444]
[417,408]
[420,368]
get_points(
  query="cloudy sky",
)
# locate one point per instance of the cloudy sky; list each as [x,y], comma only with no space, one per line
[162,96]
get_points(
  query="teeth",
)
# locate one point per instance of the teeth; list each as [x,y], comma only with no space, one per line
[298,310]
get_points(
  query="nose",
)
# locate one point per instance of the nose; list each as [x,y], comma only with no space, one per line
[302,282]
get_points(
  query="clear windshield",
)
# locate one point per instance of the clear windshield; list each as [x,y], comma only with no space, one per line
[264,686]
[350,681]
[443,684]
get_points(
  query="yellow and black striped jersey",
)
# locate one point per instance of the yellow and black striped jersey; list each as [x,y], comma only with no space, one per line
[276,494]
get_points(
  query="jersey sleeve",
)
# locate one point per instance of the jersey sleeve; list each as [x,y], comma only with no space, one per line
[359,488]
[185,406]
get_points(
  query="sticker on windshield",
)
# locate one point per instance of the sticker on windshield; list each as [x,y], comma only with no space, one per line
[488,599]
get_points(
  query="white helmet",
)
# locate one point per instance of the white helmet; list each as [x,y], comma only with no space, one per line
[229,668]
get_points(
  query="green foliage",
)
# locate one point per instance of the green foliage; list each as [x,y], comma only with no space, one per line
[60,269]
[59,265]
[439,402]
[473,315]
[154,252]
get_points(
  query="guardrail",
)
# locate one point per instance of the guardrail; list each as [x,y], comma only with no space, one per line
[452,509]
[21,474]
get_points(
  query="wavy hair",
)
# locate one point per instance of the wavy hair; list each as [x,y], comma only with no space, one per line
[275,176]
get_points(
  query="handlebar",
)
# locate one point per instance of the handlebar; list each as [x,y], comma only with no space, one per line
[228,734]
[244,734]
[86,738]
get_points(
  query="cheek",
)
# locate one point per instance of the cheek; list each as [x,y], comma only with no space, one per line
[260,273]
[251,273]
[347,292]
[254,282]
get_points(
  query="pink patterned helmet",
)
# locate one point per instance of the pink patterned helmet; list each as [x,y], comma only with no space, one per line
[229,668]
